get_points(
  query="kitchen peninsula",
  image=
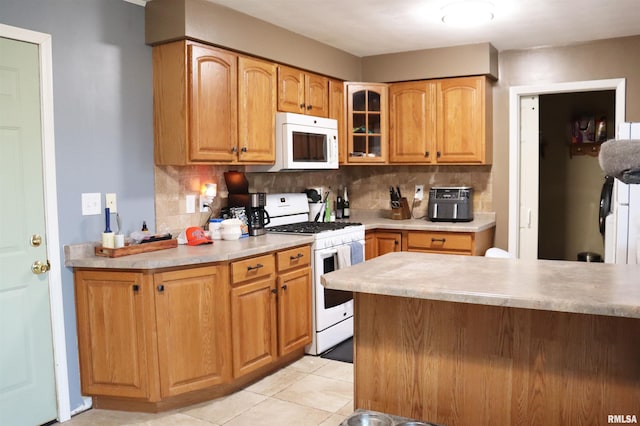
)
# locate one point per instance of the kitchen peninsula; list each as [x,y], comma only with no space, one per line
[463,340]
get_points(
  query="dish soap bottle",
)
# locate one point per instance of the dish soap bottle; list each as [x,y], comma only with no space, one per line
[345,204]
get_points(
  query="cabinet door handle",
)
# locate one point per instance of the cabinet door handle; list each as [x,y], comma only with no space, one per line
[438,154]
[438,240]
[258,266]
[244,149]
[274,291]
[284,287]
[296,257]
[234,149]
[426,154]
[309,107]
[136,288]
[395,242]
[302,105]
[160,288]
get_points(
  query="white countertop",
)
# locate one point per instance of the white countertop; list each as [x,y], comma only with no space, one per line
[83,255]
[563,286]
[375,219]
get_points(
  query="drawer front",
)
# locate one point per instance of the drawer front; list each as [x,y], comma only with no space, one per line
[446,242]
[255,267]
[293,258]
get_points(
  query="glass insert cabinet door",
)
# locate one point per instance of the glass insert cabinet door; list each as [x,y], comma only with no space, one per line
[367,123]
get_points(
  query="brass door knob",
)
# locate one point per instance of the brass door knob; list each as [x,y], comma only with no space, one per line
[40,268]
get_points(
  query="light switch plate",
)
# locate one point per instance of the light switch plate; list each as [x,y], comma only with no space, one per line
[110,202]
[91,204]
[191,204]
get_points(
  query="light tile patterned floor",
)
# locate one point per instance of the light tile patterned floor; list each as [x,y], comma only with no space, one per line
[312,391]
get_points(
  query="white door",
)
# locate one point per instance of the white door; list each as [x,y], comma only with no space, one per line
[27,386]
[529,171]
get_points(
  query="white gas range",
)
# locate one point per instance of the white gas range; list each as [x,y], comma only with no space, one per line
[332,309]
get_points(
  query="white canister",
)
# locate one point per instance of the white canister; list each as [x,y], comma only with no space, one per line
[215,230]
[231,229]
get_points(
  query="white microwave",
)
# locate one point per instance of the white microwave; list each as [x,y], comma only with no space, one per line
[303,142]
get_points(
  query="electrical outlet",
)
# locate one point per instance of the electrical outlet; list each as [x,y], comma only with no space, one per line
[204,202]
[419,194]
[110,202]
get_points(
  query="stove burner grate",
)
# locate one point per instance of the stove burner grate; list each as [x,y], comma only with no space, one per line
[311,227]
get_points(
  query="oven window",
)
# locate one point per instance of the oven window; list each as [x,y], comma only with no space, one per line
[334,297]
[309,147]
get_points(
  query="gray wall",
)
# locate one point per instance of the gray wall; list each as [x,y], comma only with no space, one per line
[103,120]
[613,58]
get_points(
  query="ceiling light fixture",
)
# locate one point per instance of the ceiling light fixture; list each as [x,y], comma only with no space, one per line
[467,13]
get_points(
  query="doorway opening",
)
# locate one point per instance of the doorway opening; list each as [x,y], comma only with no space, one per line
[525,150]
[572,127]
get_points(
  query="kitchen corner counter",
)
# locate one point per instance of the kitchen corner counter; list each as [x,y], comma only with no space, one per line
[83,256]
[380,219]
[561,286]
[461,340]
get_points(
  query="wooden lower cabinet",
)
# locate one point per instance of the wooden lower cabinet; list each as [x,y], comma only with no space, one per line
[379,242]
[294,313]
[156,340]
[192,324]
[271,312]
[253,308]
[111,310]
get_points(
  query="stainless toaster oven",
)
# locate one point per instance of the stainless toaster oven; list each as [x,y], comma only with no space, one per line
[450,204]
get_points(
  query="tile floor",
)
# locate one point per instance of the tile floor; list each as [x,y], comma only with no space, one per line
[312,391]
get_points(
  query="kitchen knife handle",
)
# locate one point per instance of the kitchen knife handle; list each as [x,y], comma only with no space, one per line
[258,266]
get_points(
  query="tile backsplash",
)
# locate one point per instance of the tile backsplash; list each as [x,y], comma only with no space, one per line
[368,187]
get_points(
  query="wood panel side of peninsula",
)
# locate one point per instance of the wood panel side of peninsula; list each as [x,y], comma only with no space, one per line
[462,364]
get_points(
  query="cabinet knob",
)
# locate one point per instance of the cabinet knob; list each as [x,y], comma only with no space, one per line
[136,288]
[309,107]
[160,288]
[274,291]
[234,149]
[284,287]
[244,149]
[302,105]
[426,154]
[438,154]
[395,242]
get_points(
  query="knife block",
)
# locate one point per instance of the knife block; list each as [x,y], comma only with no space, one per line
[402,212]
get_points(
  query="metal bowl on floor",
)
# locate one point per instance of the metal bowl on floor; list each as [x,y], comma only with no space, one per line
[369,419]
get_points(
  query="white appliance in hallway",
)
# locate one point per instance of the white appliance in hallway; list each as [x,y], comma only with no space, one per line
[332,309]
[622,219]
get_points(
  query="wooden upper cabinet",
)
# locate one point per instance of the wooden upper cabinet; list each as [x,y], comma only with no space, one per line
[337,112]
[193,327]
[367,122]
[302,92]
[213,119]
[257,104]
[195,110]
[464,121]
[412,122]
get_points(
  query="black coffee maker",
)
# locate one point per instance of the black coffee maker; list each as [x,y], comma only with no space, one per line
[257,216]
